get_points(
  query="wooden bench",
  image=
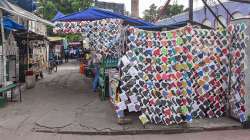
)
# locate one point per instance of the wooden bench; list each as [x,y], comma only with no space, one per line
[11,88]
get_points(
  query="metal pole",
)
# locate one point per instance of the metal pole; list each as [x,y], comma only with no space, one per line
[191,7]
[209,8]
[28,50]
[226,9]
[3,48]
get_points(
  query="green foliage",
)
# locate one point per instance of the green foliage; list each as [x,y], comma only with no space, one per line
[153,12]
[48,8]
[173,10]
[73,37]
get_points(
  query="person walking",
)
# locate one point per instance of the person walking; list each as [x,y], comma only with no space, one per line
[66,56]
[96,62]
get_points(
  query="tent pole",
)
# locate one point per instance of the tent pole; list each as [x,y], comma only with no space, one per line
[212,12]
[28,51]
[226,9]
[3,48]
[191,11]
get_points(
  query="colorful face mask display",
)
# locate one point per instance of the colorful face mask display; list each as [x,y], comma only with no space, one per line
[238,55]
[184,74]
[104,35]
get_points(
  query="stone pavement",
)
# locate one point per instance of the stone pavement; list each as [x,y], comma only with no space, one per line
[63,102]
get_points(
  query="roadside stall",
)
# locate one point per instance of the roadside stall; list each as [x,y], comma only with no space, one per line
[171,77]
[33,55]
[106,36]
[176,76]
[76,50]
[9,53]
[56,49]
[9,62]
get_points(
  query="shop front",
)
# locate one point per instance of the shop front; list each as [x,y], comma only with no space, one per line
[32,53]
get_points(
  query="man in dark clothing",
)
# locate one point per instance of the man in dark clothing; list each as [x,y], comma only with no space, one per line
[66,56]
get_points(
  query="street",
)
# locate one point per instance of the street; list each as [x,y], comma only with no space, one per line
[64,101]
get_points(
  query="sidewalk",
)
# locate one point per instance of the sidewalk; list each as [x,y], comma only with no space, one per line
[63,102]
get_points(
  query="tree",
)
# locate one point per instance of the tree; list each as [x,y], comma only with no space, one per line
[172,10]
[48,8]
[151,13]
[25,4]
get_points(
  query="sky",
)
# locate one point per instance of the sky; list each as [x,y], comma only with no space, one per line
[144,4]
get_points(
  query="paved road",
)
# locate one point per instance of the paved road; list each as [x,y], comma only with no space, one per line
[65,100]
[215,135]
[58,100]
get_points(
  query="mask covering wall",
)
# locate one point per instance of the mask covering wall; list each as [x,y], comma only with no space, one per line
[104,35]
[184,74]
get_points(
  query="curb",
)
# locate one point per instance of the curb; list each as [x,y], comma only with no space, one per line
[140,132]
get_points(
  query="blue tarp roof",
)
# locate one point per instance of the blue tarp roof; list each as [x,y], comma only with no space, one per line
[58,15]
[9,24]
[98,14]
[151,28]
[160,27]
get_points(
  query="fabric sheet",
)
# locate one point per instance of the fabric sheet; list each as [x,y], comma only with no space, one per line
[104,35]
[184,74]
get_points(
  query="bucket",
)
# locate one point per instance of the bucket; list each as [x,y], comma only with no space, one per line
[30,79]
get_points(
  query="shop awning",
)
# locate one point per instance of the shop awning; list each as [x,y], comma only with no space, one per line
[9,24]
[29,35]
[151,28]
[56,38]
[98,14]
[58,15]
[13,9]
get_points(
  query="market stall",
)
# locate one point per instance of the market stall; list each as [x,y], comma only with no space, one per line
[56,49]
[171,77]
[9,61]
[33,54]
[106,36]
[104,39]
[184,74]
[12,63]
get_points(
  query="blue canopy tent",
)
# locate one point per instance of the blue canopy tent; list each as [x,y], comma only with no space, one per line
[151,28]
[9,24]
[58,15]
[160,27]
[98,14]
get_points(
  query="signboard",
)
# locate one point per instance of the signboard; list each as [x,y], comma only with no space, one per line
[58,48]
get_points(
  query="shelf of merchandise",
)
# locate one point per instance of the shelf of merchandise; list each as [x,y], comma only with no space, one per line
[107,63]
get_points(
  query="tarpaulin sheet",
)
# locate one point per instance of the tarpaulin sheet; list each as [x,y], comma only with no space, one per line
[98,14]
[58,15]
[12,25]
